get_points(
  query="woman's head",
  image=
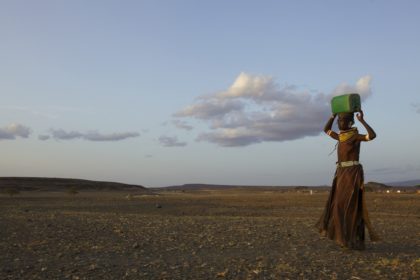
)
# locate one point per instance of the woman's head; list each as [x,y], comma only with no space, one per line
[345,121]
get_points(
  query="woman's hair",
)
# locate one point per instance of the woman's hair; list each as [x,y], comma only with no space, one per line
[348,116]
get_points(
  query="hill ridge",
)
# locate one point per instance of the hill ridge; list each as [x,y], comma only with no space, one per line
[60,184]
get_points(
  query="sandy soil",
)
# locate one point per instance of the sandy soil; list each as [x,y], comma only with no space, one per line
[229,234]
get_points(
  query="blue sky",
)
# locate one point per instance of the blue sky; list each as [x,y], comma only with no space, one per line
[227,92]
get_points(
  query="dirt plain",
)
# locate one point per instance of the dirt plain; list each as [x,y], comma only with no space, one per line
[205,234]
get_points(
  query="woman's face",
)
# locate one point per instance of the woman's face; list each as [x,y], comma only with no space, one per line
[344,123]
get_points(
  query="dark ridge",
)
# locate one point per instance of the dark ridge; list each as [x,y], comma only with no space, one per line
[410,183]
[209,187]
[190,187]
[63,184]
[379,187]
[376,186]
[370,186]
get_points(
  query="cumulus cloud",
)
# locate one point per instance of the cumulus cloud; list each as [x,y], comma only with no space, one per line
[169,141]
[362,87]
[60,134]
[255,109]
[14,130]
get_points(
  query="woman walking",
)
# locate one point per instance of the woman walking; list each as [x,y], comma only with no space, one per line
[345,214]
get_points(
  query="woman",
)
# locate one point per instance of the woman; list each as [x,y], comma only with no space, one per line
[345,214]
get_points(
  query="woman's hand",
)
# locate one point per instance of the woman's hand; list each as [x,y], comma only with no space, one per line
[370,132]
[359,116]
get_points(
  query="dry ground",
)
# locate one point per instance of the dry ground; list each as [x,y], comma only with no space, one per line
[225,234]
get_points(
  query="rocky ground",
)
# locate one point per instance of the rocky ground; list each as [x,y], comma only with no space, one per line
[227,234]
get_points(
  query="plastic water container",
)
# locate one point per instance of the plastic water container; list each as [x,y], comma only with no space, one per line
[346,103]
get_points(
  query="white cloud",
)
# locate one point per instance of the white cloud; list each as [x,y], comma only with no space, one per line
[14,130]
[60,134]
[362,87]
[169,141]
[250,86]
[255,109]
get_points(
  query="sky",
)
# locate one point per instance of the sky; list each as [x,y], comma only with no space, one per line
[162,93]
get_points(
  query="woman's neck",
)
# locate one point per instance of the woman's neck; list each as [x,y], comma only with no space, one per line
[349,129]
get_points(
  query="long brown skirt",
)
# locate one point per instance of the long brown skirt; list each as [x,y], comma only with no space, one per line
[345,216]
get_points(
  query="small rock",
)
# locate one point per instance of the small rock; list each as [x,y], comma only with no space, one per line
[222,274]
[136,245]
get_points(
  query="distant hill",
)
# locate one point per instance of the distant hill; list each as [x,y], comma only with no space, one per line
[410,183]
[379,187]
[186,187]
[375,186]
[62,184]
[371,186]
[200,186]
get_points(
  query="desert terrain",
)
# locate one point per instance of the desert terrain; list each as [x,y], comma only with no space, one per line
[240,233]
